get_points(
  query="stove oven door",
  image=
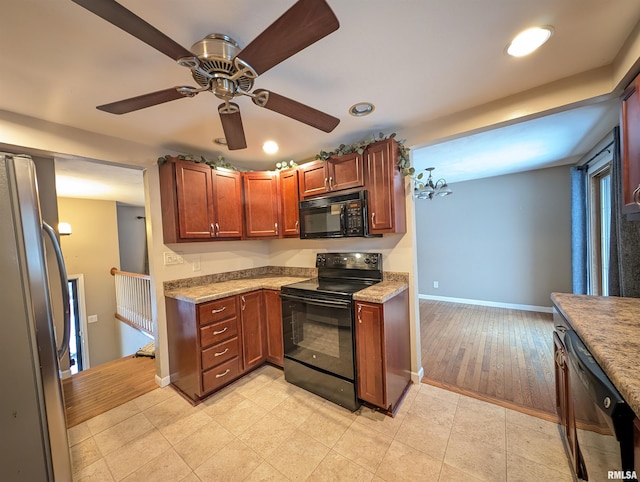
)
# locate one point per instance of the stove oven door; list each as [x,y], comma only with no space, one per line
[319,333]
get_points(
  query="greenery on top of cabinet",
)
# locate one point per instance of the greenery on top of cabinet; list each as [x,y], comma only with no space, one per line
[404,163]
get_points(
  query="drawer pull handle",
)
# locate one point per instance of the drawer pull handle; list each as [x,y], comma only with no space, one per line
[221,331]
[220,375]
[218,311]
[222,352]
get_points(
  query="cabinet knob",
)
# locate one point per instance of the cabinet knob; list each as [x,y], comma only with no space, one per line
[276,226]
[217,230]
[219,311]
[220,375]
[326,184]
[212,231]
[359,311]
[331,186]
[222,352]
[297,226]
[221,331]
[373,219]
[244,303]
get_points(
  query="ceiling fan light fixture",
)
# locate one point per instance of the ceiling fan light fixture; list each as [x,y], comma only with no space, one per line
[361,109]
[529,40]
[221,141]
[428,189]
[270,147]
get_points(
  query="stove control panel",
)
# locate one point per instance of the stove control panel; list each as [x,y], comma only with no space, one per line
[370,261]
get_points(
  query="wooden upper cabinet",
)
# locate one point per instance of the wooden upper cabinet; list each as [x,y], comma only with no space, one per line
[345,172]
[289,215]
[195,199]
[630,146]
[261,204]
[335,174]
[199,203]
[313,179]
[227,203]
[386,203]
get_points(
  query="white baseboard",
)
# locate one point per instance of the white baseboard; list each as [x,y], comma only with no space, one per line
[495,304]
[65,374]
[417,377]
[162,382]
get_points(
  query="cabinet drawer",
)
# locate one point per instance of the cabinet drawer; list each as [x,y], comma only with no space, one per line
[218,332]
[218,376]
[217,310]
[220,353]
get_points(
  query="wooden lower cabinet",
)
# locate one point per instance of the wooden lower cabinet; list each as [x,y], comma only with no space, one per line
[212,344]
[383,351]
[273,324]
[253,330]
[564,402]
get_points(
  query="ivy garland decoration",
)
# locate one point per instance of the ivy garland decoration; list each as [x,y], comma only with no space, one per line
[404,163]
[219,162]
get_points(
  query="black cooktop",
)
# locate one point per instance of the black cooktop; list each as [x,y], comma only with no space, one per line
[340,275]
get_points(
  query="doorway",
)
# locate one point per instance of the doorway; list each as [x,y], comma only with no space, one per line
[78,337]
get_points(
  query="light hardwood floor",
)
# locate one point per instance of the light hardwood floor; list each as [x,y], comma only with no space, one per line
[101,388]
[496,354]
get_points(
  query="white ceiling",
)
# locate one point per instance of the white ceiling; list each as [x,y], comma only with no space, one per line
[416,60]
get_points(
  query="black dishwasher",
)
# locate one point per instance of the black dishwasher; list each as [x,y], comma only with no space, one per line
[604,421]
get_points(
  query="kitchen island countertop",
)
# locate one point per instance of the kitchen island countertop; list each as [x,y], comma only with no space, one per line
[610,329]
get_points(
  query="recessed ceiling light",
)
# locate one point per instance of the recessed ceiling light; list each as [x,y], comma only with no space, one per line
[361,109]
[221,141]
[529,40]
[270,147]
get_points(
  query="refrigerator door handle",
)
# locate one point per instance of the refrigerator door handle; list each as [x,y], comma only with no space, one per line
[64,281]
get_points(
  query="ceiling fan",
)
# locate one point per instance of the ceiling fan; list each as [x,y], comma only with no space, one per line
[218,64]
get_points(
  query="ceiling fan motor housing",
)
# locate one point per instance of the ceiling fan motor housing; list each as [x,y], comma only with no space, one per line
[216,53]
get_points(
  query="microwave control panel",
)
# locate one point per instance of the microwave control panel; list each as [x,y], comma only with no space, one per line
[354,219]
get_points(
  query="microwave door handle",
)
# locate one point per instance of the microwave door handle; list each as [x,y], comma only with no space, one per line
[343,219]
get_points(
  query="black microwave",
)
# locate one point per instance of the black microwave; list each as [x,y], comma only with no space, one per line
[336,216]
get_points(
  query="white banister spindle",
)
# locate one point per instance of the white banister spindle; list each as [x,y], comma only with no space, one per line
[133,300]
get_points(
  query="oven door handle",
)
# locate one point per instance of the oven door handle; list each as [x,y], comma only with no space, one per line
[311,301]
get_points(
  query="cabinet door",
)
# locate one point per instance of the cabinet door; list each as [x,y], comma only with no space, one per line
[386,189]
[345,172]
[313,179]
[564,402]
[253,336]
[194,199]
[370,353]
[289,214]
[227,200]
[630,133]
[261,204]
[273,315]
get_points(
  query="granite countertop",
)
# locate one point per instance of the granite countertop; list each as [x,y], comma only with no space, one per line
[381,292]
[610,328]
[214,291]
[201,293]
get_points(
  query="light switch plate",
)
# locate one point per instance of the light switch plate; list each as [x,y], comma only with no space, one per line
[92,318]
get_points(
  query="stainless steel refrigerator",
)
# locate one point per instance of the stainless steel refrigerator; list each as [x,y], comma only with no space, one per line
[33,432]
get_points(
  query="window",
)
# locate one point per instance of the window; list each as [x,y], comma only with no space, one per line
[599,226]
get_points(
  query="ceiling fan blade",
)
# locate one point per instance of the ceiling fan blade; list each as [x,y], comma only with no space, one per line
[146,100]
[128,21]
[232,126]
[306,22]
[295,110]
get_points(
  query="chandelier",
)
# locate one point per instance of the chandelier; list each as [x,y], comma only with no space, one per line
[429,189]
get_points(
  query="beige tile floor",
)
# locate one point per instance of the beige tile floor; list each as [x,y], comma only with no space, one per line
[263,428]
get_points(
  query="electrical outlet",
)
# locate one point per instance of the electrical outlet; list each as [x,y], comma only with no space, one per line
[172,258]
[92,318]
[436,284]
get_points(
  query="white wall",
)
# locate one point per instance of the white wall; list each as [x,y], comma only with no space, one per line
[131,239]
[504,239]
